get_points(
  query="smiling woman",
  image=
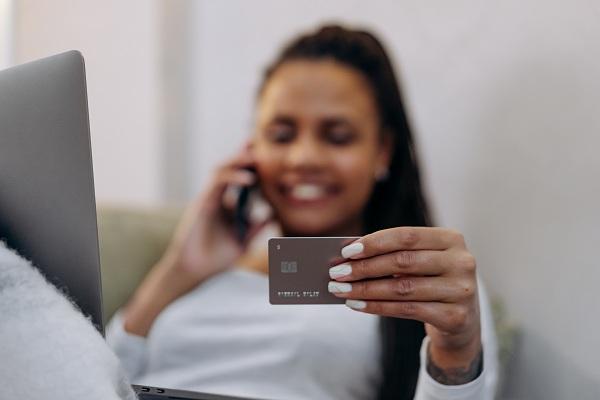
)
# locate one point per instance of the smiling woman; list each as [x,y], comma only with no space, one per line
[333,154]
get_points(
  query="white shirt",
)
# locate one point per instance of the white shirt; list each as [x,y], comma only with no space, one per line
[225,337]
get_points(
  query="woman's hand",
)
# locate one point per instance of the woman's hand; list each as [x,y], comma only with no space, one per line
[426,274]
[204,243]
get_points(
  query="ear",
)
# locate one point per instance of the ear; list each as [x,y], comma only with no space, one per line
[386,150]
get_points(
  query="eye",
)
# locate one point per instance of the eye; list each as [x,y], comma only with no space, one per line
[340,135]
[280,133]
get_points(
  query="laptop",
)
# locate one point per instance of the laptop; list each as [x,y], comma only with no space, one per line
[47,202]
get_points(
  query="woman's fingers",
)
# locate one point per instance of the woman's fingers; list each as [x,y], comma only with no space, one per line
[402,238]
[225,177]
[232,182]
[405,262]
[451,318]
[406,288]
[236,171]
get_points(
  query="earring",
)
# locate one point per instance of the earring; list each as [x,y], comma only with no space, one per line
[381,174]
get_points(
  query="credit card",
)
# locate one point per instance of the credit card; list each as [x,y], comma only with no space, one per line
[299,269]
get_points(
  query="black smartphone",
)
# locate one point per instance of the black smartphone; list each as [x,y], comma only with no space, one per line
[242,210]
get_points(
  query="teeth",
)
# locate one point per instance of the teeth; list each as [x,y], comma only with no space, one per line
[308,191]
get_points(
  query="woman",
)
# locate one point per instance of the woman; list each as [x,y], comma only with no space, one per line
[333,156]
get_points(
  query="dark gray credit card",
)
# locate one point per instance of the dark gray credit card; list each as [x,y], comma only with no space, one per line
[299,269]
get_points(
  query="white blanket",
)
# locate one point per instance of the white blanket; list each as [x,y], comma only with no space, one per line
[48,349]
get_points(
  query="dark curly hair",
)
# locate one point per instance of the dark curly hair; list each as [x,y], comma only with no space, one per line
[396,201]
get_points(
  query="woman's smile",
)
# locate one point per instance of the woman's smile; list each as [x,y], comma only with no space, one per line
[308,194]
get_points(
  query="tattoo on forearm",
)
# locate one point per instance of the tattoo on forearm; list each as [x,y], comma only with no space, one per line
[455,376]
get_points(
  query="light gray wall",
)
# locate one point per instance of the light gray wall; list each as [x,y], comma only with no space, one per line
[6,33]
[505,100]
[120,41]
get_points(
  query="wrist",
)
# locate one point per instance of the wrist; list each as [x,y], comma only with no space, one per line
[455,365]
[452,353]
[140,313]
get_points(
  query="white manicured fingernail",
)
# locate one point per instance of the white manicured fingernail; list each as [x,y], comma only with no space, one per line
[340,270]
[352,250]
[356,304]
[339,287]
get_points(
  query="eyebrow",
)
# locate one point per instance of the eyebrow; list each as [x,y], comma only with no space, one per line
[283,119]
[327,121]
[332,121]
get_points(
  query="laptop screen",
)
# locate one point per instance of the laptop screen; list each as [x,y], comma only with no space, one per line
[47,203]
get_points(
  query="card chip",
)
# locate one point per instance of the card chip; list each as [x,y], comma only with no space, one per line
[289,267]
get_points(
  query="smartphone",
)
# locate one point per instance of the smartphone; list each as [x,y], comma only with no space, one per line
[242,210]
[299,269]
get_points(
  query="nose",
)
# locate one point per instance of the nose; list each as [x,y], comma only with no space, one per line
[305,153]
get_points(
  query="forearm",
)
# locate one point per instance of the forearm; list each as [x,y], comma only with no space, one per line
[165,283]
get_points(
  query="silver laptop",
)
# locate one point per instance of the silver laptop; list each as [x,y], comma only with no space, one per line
[47,203]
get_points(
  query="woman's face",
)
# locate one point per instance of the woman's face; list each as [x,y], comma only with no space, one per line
[318,147]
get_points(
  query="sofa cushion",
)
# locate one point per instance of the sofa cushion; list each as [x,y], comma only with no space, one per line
[131,240]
